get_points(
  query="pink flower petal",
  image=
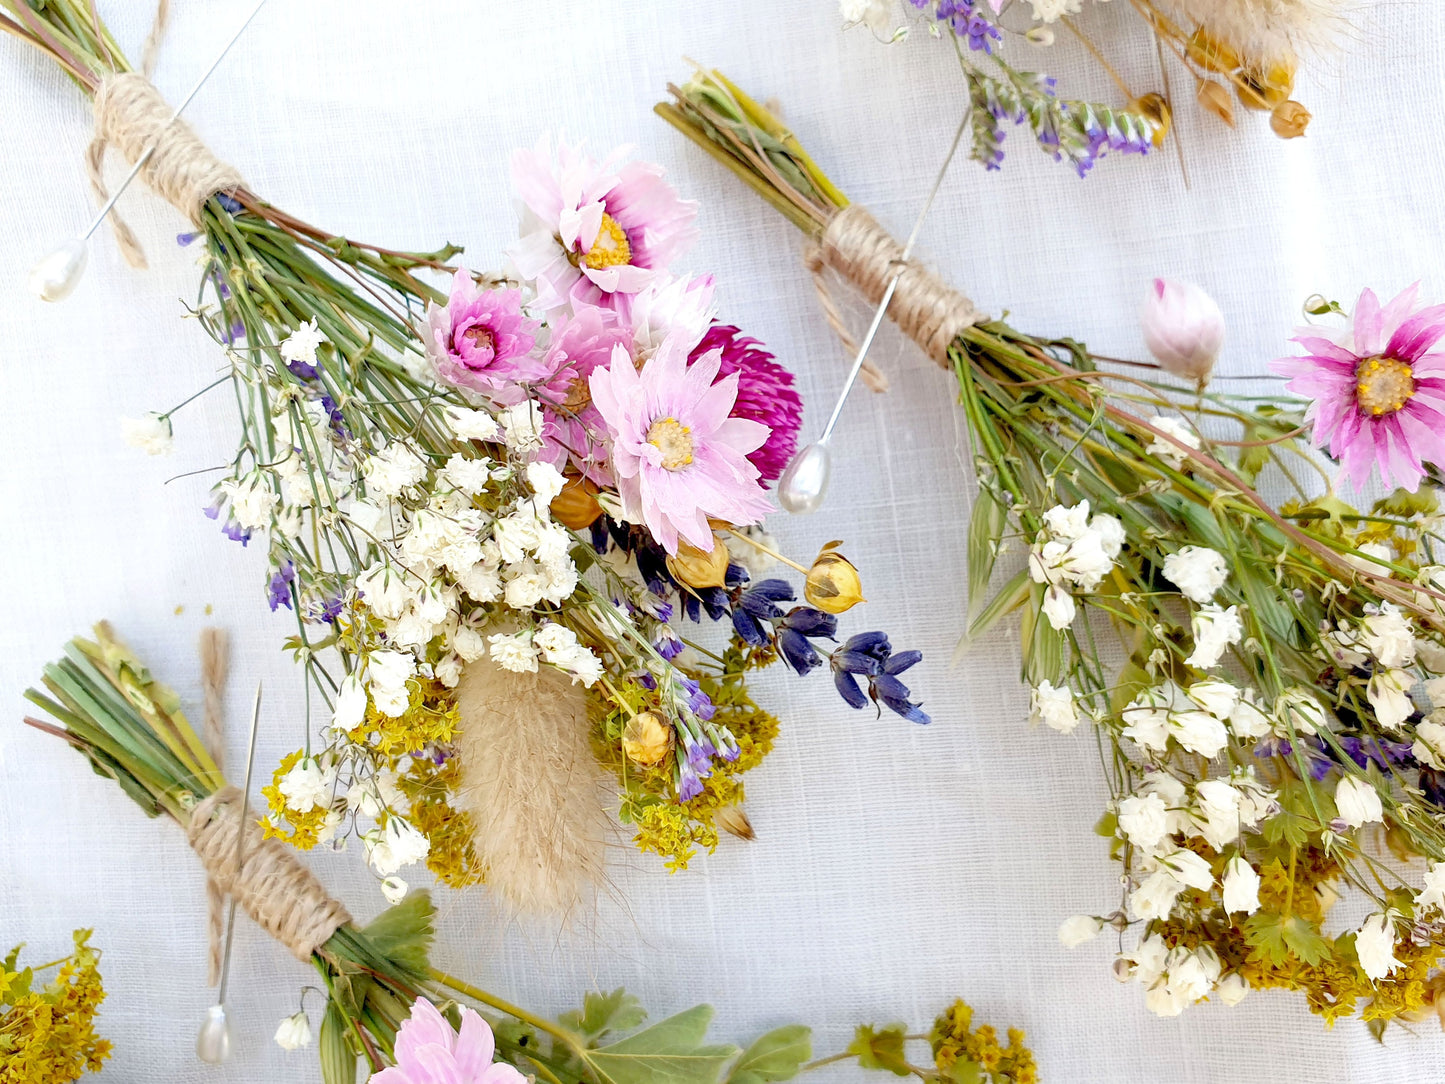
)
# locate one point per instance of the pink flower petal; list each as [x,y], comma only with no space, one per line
[475,1046]
[1368,325]
[1418,334]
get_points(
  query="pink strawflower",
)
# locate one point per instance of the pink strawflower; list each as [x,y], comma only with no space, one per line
[1377,388]
[480,340]
[594,230]
[765,394]
[676,455]
[667,306]
[572,427]
[430,1051]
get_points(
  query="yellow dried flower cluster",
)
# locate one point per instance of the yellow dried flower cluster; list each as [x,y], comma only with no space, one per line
[955,1039]
[48,1036]
[453,857]
[430,717]
[301,830]
[675,830]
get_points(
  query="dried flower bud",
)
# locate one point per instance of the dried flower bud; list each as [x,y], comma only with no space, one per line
[1289,120]
[1156,108]
[576,506]
[833,584]
[647,739]
[1042,36]
[1183,329]
[732,819]
[1211,54]
[1215,98]
[692,567]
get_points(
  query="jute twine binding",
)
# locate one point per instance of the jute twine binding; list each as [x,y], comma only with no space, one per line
[926,309]
[215,664]
[131,115]
[274,888]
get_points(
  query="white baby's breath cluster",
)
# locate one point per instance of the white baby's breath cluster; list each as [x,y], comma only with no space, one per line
[1205,744]
[1073,551]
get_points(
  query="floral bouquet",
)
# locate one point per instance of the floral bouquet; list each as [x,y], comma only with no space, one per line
[387,1007]
[1244,50]
[496,504]
[1266,678]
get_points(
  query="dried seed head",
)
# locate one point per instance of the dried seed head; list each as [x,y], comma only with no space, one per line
[1214,98]
[1265,88]
[1210,53]
[1289,120]
[576,506]
[647,739]
[1156,108]
[833,584]
[692,567]
[732,819]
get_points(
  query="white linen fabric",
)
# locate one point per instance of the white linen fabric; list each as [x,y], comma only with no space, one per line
[896,866]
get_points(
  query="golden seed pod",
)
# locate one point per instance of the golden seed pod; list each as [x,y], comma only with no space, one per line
[1211,54]
[576,506]
[1156,108]
[1289,119]
[692,567]
[833,584]
[647,739]
[1214,98]
[1264,89]
[732,819]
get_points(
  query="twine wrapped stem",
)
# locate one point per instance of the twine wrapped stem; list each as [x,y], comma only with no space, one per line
[131,115]
[274,888]
[925,308]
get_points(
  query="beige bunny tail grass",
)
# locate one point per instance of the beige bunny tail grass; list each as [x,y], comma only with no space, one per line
[1269,30]
[532,786]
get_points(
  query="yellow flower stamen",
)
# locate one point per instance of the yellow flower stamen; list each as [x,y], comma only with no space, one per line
[1383,385]
[610,249]
[674,440]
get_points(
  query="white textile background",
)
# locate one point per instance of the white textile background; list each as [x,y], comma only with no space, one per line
[895,866]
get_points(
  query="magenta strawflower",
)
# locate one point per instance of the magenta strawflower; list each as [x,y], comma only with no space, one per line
[765,394]
[595,230]
[430,1051]
[676,456]
[480,340]
[1377,388]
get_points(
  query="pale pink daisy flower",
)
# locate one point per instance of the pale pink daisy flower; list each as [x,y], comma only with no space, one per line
[1377,388]
[595,230]
[676,456]
[480,340]
[430,1051]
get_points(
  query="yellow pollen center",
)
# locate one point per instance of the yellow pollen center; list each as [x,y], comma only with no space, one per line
[674,440]
[1383,385]
[611,248]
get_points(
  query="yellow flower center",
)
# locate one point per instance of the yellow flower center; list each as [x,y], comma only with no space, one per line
[674,440]
[1383,385]
[611,248]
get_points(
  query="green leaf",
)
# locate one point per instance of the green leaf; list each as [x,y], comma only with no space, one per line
[984,530]
[1265,933]
[778,1055]
[1306,942]
[880,1049]
[338,1062]
[1010,596]
[603,1013]
[669,1052]
[1043,645]
[402,934]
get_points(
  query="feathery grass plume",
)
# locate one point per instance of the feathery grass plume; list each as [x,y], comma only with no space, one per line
[1267,31]
[531,785]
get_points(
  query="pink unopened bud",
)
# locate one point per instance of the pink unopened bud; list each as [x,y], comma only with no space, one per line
[1183,329]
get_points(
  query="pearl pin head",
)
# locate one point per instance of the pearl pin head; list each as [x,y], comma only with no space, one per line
[55,277]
